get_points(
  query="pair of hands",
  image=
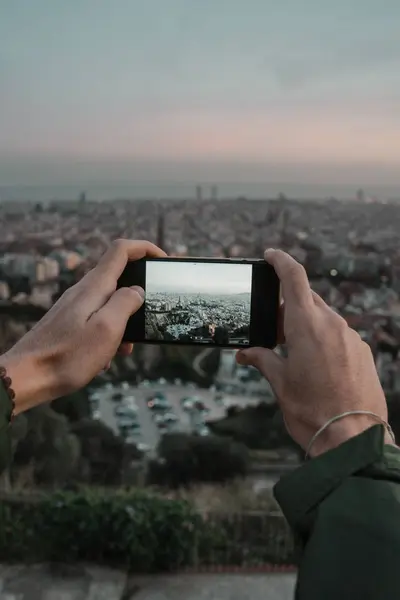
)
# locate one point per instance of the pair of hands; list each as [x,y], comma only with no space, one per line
[329,369]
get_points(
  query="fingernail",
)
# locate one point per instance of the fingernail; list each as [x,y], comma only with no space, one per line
[139,290]
[269,252]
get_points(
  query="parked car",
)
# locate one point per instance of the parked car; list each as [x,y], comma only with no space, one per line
[125,411]
[219,399]
[94,402]
[187,403]
[129,402]
[143,447]
[129,430]
[203,430]
[128,421]
[170,417]
[158,401]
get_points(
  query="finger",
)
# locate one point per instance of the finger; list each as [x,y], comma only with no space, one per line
[295,286]
[125,349]
[115,259]
[110,321]
[100,283]
[270,365]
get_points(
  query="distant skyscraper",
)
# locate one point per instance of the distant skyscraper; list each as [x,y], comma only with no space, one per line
[199,193]
[160,228]
[214,192]
[360,196]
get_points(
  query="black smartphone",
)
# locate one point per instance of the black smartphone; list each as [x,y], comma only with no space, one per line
[231,303]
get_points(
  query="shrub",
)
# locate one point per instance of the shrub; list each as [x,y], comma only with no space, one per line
[186,459]
[137,530]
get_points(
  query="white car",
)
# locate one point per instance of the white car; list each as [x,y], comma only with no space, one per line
[143,447]
[129,402]
[203,431]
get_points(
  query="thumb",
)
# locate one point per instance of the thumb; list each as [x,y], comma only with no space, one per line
[122,304]
[126,301]
[267,362]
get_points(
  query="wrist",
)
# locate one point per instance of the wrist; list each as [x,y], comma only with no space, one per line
[32,379]
[340,431]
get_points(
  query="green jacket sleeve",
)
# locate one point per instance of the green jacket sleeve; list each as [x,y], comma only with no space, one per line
[5,434]
[344,509]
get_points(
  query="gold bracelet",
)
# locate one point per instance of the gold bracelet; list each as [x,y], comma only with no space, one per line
[347,414]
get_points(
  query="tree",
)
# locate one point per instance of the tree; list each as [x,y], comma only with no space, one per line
[48,446]
[259,427]
[75,406]
[103,454]
[185,459]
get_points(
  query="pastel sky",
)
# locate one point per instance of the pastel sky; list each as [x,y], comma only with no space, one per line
[289,81]
[195,277]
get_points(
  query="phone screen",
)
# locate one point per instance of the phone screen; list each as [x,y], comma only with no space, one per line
[228,303]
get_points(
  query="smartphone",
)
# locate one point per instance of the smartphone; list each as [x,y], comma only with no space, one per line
[231,303]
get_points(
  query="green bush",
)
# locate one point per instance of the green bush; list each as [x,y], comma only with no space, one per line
[137,530]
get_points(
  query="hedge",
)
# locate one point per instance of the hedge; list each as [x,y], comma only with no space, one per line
[137,530]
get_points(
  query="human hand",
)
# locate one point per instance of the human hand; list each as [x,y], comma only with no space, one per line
[329,369]
[80,334]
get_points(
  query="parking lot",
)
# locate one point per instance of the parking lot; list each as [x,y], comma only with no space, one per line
[147,432]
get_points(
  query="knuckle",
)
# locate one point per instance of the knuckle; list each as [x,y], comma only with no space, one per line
[366,348]
[126,294]
[70,293]
[296,272]
[340,322]
[300,270]
[118,245]
[104,327]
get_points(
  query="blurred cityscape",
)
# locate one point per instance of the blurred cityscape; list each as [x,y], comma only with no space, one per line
[349,249]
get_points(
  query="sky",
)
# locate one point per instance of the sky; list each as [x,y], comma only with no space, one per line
[192,277]
[309,89]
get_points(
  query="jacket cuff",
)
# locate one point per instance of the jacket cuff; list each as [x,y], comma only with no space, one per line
[301,491]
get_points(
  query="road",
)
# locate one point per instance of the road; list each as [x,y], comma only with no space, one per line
[82,582]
